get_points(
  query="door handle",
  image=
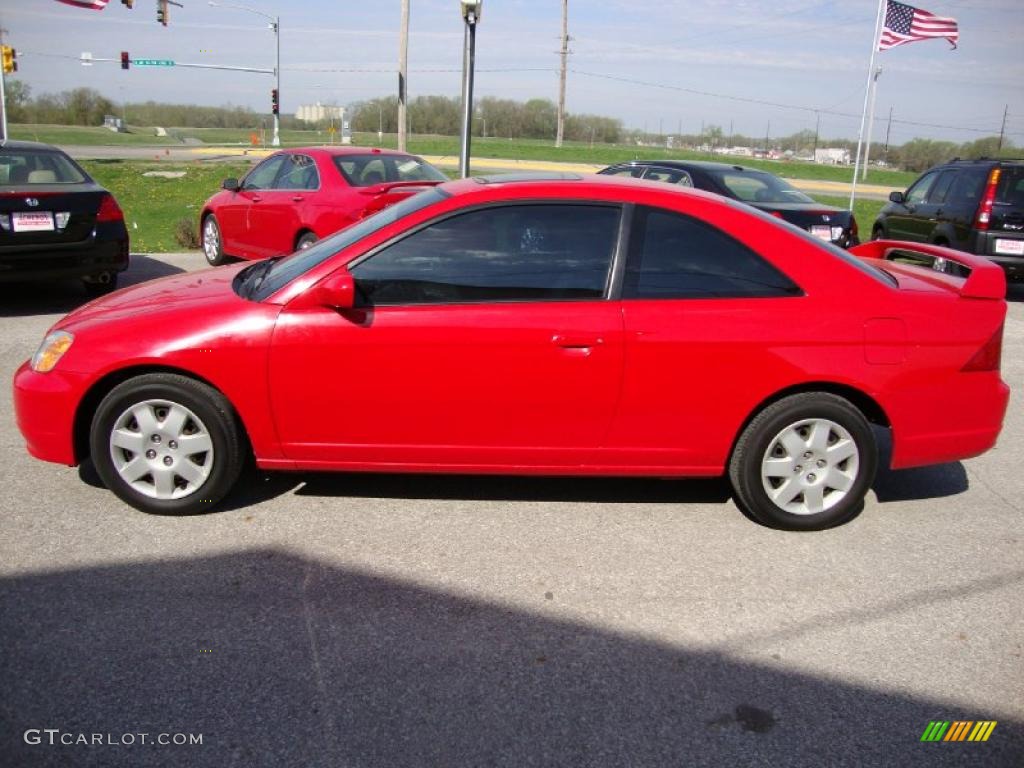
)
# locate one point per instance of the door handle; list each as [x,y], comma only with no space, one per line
[576,340]
[297,198]
[256,198]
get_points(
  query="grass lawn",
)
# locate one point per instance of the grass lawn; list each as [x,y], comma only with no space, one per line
[154,205]
[865,211]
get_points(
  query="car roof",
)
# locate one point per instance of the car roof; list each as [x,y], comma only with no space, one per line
[348,150]
[37,145]
[685,165]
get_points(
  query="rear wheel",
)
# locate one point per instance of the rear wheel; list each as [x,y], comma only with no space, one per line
[167,444]
[213,245]
[877,233]
[805,462]
[307,239]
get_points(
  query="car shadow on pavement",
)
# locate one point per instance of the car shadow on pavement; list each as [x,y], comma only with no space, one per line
[62,296]
[275,659]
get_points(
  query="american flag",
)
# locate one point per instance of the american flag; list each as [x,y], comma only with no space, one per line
[92,5]
[905,24]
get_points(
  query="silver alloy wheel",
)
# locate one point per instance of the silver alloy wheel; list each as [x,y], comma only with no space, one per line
[810,466]
[211,239]
[161,449]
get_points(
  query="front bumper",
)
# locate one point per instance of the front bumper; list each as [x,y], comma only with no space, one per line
[44,409]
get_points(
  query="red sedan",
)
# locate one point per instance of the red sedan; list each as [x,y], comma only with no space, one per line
[297,196]
[548,326]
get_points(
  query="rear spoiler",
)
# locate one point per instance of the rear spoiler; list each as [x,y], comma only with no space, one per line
[984,279]
[398,186]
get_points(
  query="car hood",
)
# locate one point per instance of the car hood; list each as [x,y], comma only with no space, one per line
[163,295]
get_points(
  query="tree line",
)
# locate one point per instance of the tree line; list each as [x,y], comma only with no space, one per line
[442,115]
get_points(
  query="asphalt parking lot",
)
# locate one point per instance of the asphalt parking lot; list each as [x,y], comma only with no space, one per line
[328,620]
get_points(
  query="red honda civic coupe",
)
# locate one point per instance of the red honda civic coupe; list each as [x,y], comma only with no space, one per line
[569,325]
[298,196]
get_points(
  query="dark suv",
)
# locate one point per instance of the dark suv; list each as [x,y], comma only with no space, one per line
[971,205]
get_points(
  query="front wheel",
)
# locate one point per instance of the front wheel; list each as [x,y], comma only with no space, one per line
[213,244]
[805,462]
[167,444]
[307,239]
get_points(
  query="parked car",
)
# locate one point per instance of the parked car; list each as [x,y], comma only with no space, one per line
[760,189]
[971,205]
[297,196]
[552,326]
[55,221]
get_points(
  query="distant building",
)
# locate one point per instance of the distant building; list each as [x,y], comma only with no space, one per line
[113,123]
[832,156]
[319,113]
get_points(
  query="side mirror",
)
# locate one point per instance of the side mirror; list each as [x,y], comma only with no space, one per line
[896,197]
[337,291]
[231,185]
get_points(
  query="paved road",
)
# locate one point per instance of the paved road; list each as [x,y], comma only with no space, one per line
[489,165]
[411,621]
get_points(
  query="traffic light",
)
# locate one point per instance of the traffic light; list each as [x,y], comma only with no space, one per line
[161,11]
[128,3]
[126,61]
[275,103]
[10,57]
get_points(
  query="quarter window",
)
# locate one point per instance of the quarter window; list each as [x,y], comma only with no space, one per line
[297,172]
[536,252]
[673,256]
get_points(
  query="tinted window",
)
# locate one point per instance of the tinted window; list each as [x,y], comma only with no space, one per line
[919,192]
[1011,187]
[33,166]
[756,187]
[675,257]
[670,176]
[508,253]
[941,188]
[967,188]
[297,172]
[287,269]
[632,171]
[263,175]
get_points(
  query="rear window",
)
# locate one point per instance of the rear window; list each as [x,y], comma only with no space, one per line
[367,170]
[1011,187]
[753,187]
[27,167]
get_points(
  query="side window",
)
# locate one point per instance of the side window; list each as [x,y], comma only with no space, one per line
[918,193]
[543,252]
[263,175]
[297,172]
[669,176]
[968,188]
[939,191]
[632,171]
[673,256]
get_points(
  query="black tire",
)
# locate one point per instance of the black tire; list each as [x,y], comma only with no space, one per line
[94,287]
[814,470]
[307,239]
[211,419]
[212,241]
[877,234]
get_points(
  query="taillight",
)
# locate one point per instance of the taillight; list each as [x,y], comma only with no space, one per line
[985,211]
[109,210]
[989,356]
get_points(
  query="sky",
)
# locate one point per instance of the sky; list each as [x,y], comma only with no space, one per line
[755,66]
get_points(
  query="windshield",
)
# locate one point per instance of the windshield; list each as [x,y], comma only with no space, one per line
[25,167]
[284,270]
[757,187]
[367,170]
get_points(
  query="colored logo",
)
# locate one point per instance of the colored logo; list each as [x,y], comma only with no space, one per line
[958,730]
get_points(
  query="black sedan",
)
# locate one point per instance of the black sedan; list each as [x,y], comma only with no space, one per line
[55,221]
[757,188]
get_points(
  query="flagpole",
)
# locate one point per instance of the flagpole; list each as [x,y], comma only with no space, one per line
[867,94]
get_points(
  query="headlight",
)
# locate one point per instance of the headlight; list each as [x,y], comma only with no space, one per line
[51,350]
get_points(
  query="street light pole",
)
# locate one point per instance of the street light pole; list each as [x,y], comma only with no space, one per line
[275,24]
[471,15]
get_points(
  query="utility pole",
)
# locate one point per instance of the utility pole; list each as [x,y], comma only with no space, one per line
[767,133]
[1002,131]
[561,78]
[403,69]
[817,128]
